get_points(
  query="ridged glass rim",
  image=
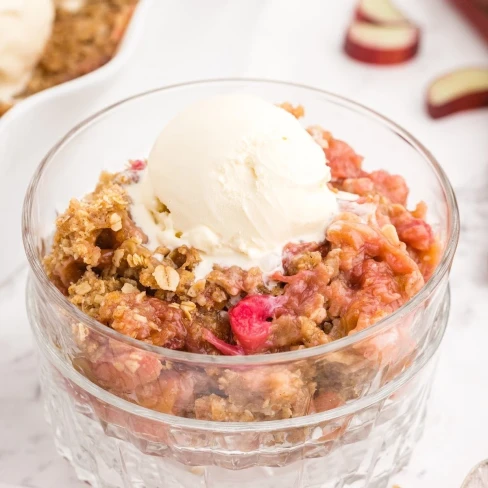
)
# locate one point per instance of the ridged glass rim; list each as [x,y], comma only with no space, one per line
[311,420]
[54,295]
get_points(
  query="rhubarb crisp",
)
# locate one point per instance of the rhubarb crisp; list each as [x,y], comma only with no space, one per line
[85,36]
[374,257]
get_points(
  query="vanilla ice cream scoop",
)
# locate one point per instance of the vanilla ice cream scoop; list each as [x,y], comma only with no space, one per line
[237,178]
[25,27]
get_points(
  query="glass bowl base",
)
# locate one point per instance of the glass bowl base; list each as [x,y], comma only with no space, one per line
[366,455]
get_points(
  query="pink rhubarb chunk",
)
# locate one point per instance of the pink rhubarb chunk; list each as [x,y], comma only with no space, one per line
[225,348]
[249,321]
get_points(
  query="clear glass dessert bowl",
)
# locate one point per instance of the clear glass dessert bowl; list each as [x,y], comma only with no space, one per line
[116,404]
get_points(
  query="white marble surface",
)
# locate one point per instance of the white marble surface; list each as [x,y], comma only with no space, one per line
[301,41]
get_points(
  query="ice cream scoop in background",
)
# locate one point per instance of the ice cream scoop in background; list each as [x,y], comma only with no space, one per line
[237,178]
[25,28]
[69,5]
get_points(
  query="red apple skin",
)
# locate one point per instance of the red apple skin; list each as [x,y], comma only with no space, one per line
[466,102]
[371,55]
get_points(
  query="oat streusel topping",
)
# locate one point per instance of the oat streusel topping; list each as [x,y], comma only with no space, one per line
[367,266]
[84,38]
[82,41]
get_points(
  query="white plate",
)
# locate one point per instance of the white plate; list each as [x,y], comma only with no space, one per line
[32,127]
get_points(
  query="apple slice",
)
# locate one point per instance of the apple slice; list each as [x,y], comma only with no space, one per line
[381,12]
[460,90]
[382,44]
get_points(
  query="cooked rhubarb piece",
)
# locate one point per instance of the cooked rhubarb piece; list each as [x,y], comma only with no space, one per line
[250,320]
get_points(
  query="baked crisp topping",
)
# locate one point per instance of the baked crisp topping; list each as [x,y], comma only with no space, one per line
[370,263]
[86,35]
[83,39]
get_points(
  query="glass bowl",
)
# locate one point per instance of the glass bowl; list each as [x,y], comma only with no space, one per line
[126,413]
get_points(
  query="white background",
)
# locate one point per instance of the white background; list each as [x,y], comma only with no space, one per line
[301,41]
